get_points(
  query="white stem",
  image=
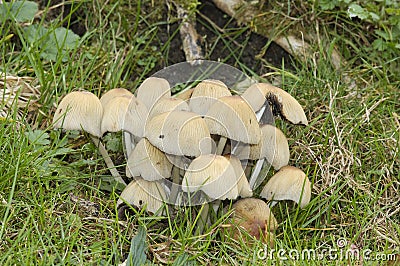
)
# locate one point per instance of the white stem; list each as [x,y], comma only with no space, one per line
[175,184]
[221,145]
[129,143]
[255,174]
[257,169]
[107,159]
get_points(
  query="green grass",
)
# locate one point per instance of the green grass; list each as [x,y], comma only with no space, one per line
[57,206]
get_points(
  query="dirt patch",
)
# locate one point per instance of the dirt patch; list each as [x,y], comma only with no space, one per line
[240,44]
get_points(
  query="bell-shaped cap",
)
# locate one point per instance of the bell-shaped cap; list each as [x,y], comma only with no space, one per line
[148,162]
[82,110]
[232,117]
[168,104]
[151,90]
[144,194]
[114,114]
[289,183]
[242,182]
[114,93]
[205,94]
[281,101]
[212,174]
[135,117]
[273,147]
[179,133]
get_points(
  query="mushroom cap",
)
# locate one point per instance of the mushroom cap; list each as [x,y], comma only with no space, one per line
[113,93]
[151,90]
[82,110]
[212,174]
[141,193]
[232,117]
[242,182]
[179,133]
[255,217]
[273,147]
[287,184]
[281,101]
[114,112]
[148,162]
[168,104]
[135,117]
[205,94]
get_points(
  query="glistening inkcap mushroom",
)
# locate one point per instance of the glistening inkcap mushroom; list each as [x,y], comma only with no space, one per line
[254,217]
[151,90]
[205,94]
[142,193]
[82,110]
[79,110]
[273,146]
[148,162]
[114,93]
[212,174]
[289,183]
[282,102]
[179,133]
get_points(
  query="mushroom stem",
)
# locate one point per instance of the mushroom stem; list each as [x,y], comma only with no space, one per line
[107,159]
[255,174]
[175,184]
[221,145]
[258,167]
[129,144]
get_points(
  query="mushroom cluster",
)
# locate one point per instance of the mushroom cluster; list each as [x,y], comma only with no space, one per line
[178,151]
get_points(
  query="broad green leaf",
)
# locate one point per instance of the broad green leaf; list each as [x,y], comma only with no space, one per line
[21,11]
[38,137]
[355,10]
[379,44]
[137,254]
[328,4]
[53,43]
[113,143]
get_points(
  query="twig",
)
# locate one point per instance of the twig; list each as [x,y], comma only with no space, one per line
[189,35]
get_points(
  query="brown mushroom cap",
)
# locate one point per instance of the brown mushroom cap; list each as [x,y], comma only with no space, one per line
[113,93]
[281,101]
[141,193]
[289,183]
[212,174]
[82,110]
[151,90]
[205,94]
[232,117]
[273,146]
[255,217]
[179,133]
[148,162]
[114,114]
